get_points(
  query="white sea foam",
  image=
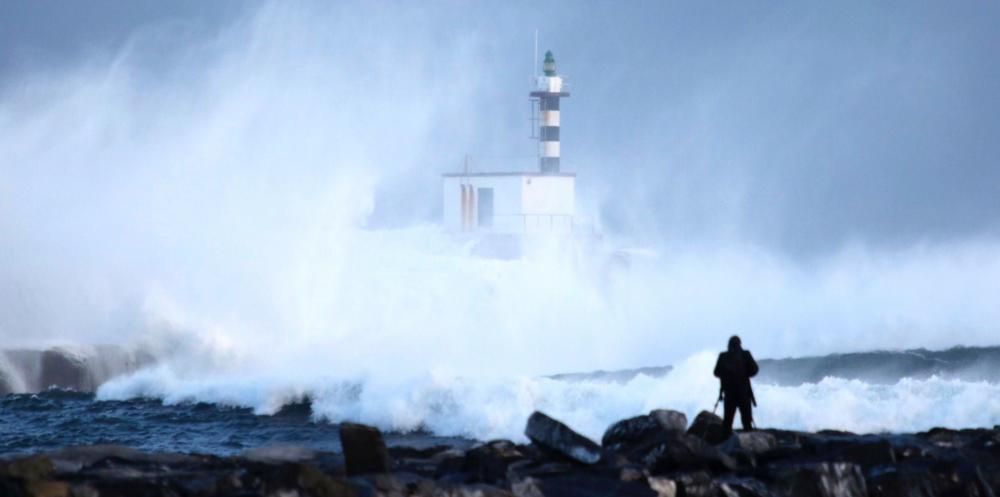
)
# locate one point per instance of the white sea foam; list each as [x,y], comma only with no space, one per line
[498,408]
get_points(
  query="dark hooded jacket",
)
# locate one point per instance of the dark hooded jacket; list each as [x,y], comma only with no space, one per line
[734,369]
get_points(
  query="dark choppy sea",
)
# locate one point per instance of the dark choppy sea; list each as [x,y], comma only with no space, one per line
[55,419]
[862,392]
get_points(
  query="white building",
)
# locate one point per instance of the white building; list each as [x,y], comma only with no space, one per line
[510,203]
[517,202]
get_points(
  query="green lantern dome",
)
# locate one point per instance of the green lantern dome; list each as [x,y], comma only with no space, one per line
[549,65]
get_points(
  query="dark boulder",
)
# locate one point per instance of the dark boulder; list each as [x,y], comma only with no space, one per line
[702,484]
[748,447]
[127,487]
[670,420]
[896,483]
[697,484]
[554,436]
[539,469]
[581,484]
[682,452]
[488,462]
[825,479]
[931,480]
[737,486]
[281,479]
[751,442]
[627,435]
[364,449]
[28,468]
[442,489]
[864,450]
[708,427]
[664,487]
[979,439]
[78,458]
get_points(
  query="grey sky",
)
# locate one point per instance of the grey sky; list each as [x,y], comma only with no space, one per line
[800,126]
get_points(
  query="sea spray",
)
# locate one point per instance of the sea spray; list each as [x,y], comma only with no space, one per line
[487,409]
[224,210]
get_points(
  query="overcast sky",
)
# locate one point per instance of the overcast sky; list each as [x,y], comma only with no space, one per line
[800,126]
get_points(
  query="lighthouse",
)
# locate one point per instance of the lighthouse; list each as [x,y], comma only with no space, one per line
[537,201]
[548,90]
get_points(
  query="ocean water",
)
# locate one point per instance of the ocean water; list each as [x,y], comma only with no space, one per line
[218,417]
[56,419]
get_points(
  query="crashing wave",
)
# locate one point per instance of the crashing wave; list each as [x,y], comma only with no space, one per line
[80,368]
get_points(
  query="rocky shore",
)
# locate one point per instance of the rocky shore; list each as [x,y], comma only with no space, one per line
[658,454]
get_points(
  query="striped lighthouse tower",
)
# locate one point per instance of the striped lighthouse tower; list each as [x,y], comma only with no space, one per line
[548,90]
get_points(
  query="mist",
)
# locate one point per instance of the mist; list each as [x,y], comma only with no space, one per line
[254,194]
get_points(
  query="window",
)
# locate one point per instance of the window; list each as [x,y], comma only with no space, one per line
[484,207]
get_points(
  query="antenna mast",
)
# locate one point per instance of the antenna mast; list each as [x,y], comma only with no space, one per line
[534,65]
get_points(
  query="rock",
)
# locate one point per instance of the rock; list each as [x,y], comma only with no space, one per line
[522,470]
[961,439]
[826,479]
[899,484]
[31,476]
[488,463]
[449,465]
[697,484]
[934,480]
[527,487]
[835,464]
[683,452]
[747,447]
[910,448]
[391,485]
[735,486]
[29,468]
[303,479]
[836,433]
[47,489]
[364,449]
[629,434]
[557,437]
[664,487]
[631,473]
[581,484]
[74,459]
[432,462]
[670,420]
[475,490]
[280,453]
[752,442]
[126,488]
[708,427]
[626,434]
[865,450]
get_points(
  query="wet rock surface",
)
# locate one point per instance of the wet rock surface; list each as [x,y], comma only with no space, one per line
[364,450]
[640,456]
[558,438]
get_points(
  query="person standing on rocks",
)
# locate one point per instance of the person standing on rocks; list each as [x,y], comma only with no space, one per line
[734,369]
